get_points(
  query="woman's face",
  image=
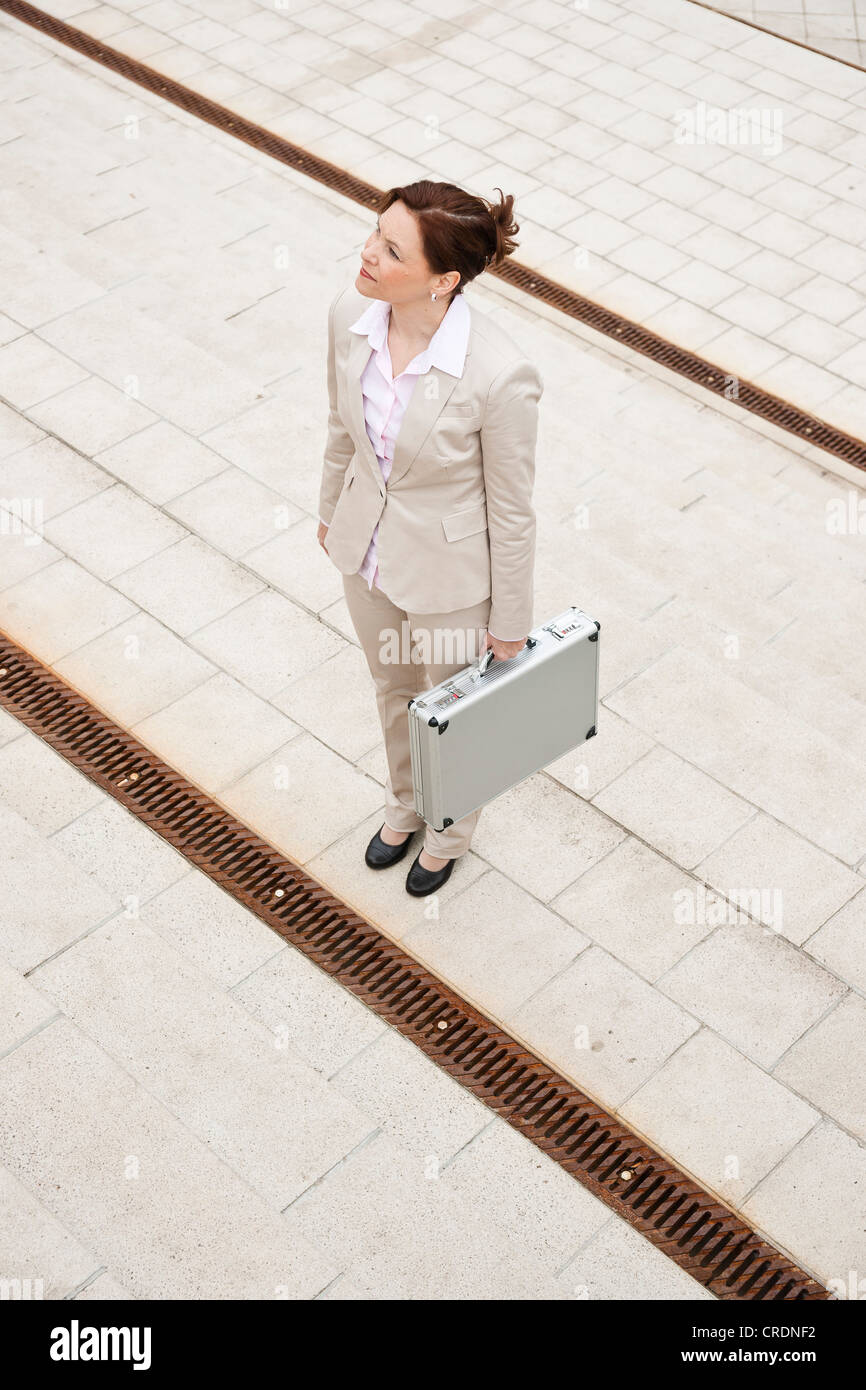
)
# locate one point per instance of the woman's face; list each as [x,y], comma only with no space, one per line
[395,264]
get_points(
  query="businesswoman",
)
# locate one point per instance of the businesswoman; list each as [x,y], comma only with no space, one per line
[426,494]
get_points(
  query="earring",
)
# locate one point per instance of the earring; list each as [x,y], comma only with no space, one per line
[433,295]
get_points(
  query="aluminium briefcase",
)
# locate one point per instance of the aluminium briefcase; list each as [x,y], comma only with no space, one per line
[495,723]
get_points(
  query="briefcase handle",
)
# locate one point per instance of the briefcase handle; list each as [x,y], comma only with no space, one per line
[485,660]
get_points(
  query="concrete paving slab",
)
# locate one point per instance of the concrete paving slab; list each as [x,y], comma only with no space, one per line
[841,943]
[727,979]
[826,1065]
[599,1021]
[233,512]
[496,939]
[160,462]
[779,878]
[92,415]
[825,1219]
[49,901]
[611,1267]
[24,1010]
[41,786]
[391,1081]
[673,806]
[335,796]
[40,1257]
[121,854]
[219,936]
[138,665]
[59,608]
[702,1104]
[113,1165]
[635,904]
[256,1105]
[188,585]
[188,732]
[112,532]
[48,469]
[553,835]
[435,1247]
[267,642]
[324,1023]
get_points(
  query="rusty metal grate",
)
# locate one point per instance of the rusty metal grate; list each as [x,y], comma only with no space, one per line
[689,1224]
[688,364]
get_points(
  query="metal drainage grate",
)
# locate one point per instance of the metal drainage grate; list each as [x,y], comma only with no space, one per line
[690,1225]
[715,379]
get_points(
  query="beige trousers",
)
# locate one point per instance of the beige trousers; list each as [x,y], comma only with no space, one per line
[408,653]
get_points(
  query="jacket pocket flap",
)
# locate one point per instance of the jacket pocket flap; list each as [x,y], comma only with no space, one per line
[350,472]
[460,524]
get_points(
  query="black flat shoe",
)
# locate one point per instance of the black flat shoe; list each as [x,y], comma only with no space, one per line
[421,881]
[380,855]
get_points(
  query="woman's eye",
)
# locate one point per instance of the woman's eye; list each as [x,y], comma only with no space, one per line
[390,248]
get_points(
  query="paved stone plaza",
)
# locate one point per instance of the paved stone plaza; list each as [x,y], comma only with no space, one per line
[688,889]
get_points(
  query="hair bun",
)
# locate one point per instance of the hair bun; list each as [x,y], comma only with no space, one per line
[504,227]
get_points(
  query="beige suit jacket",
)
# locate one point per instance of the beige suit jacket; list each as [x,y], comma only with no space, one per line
[456,521]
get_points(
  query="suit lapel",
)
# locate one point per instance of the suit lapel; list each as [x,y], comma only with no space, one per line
[429,394]
[356,359]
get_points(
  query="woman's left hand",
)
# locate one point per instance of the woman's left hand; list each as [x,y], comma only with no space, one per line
[502,650]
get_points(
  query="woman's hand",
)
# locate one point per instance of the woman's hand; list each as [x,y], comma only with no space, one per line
[323,531]
[502,650]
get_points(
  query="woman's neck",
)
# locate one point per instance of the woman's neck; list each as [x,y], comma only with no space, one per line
[416,323]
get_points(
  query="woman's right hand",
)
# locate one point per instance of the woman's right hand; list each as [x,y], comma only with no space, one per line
[323,531]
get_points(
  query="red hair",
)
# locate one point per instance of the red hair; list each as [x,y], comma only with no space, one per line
[459,231]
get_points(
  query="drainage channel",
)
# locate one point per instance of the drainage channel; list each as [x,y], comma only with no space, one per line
[536,286]
[683,1220]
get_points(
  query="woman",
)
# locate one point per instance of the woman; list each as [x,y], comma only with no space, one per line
[426,494]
